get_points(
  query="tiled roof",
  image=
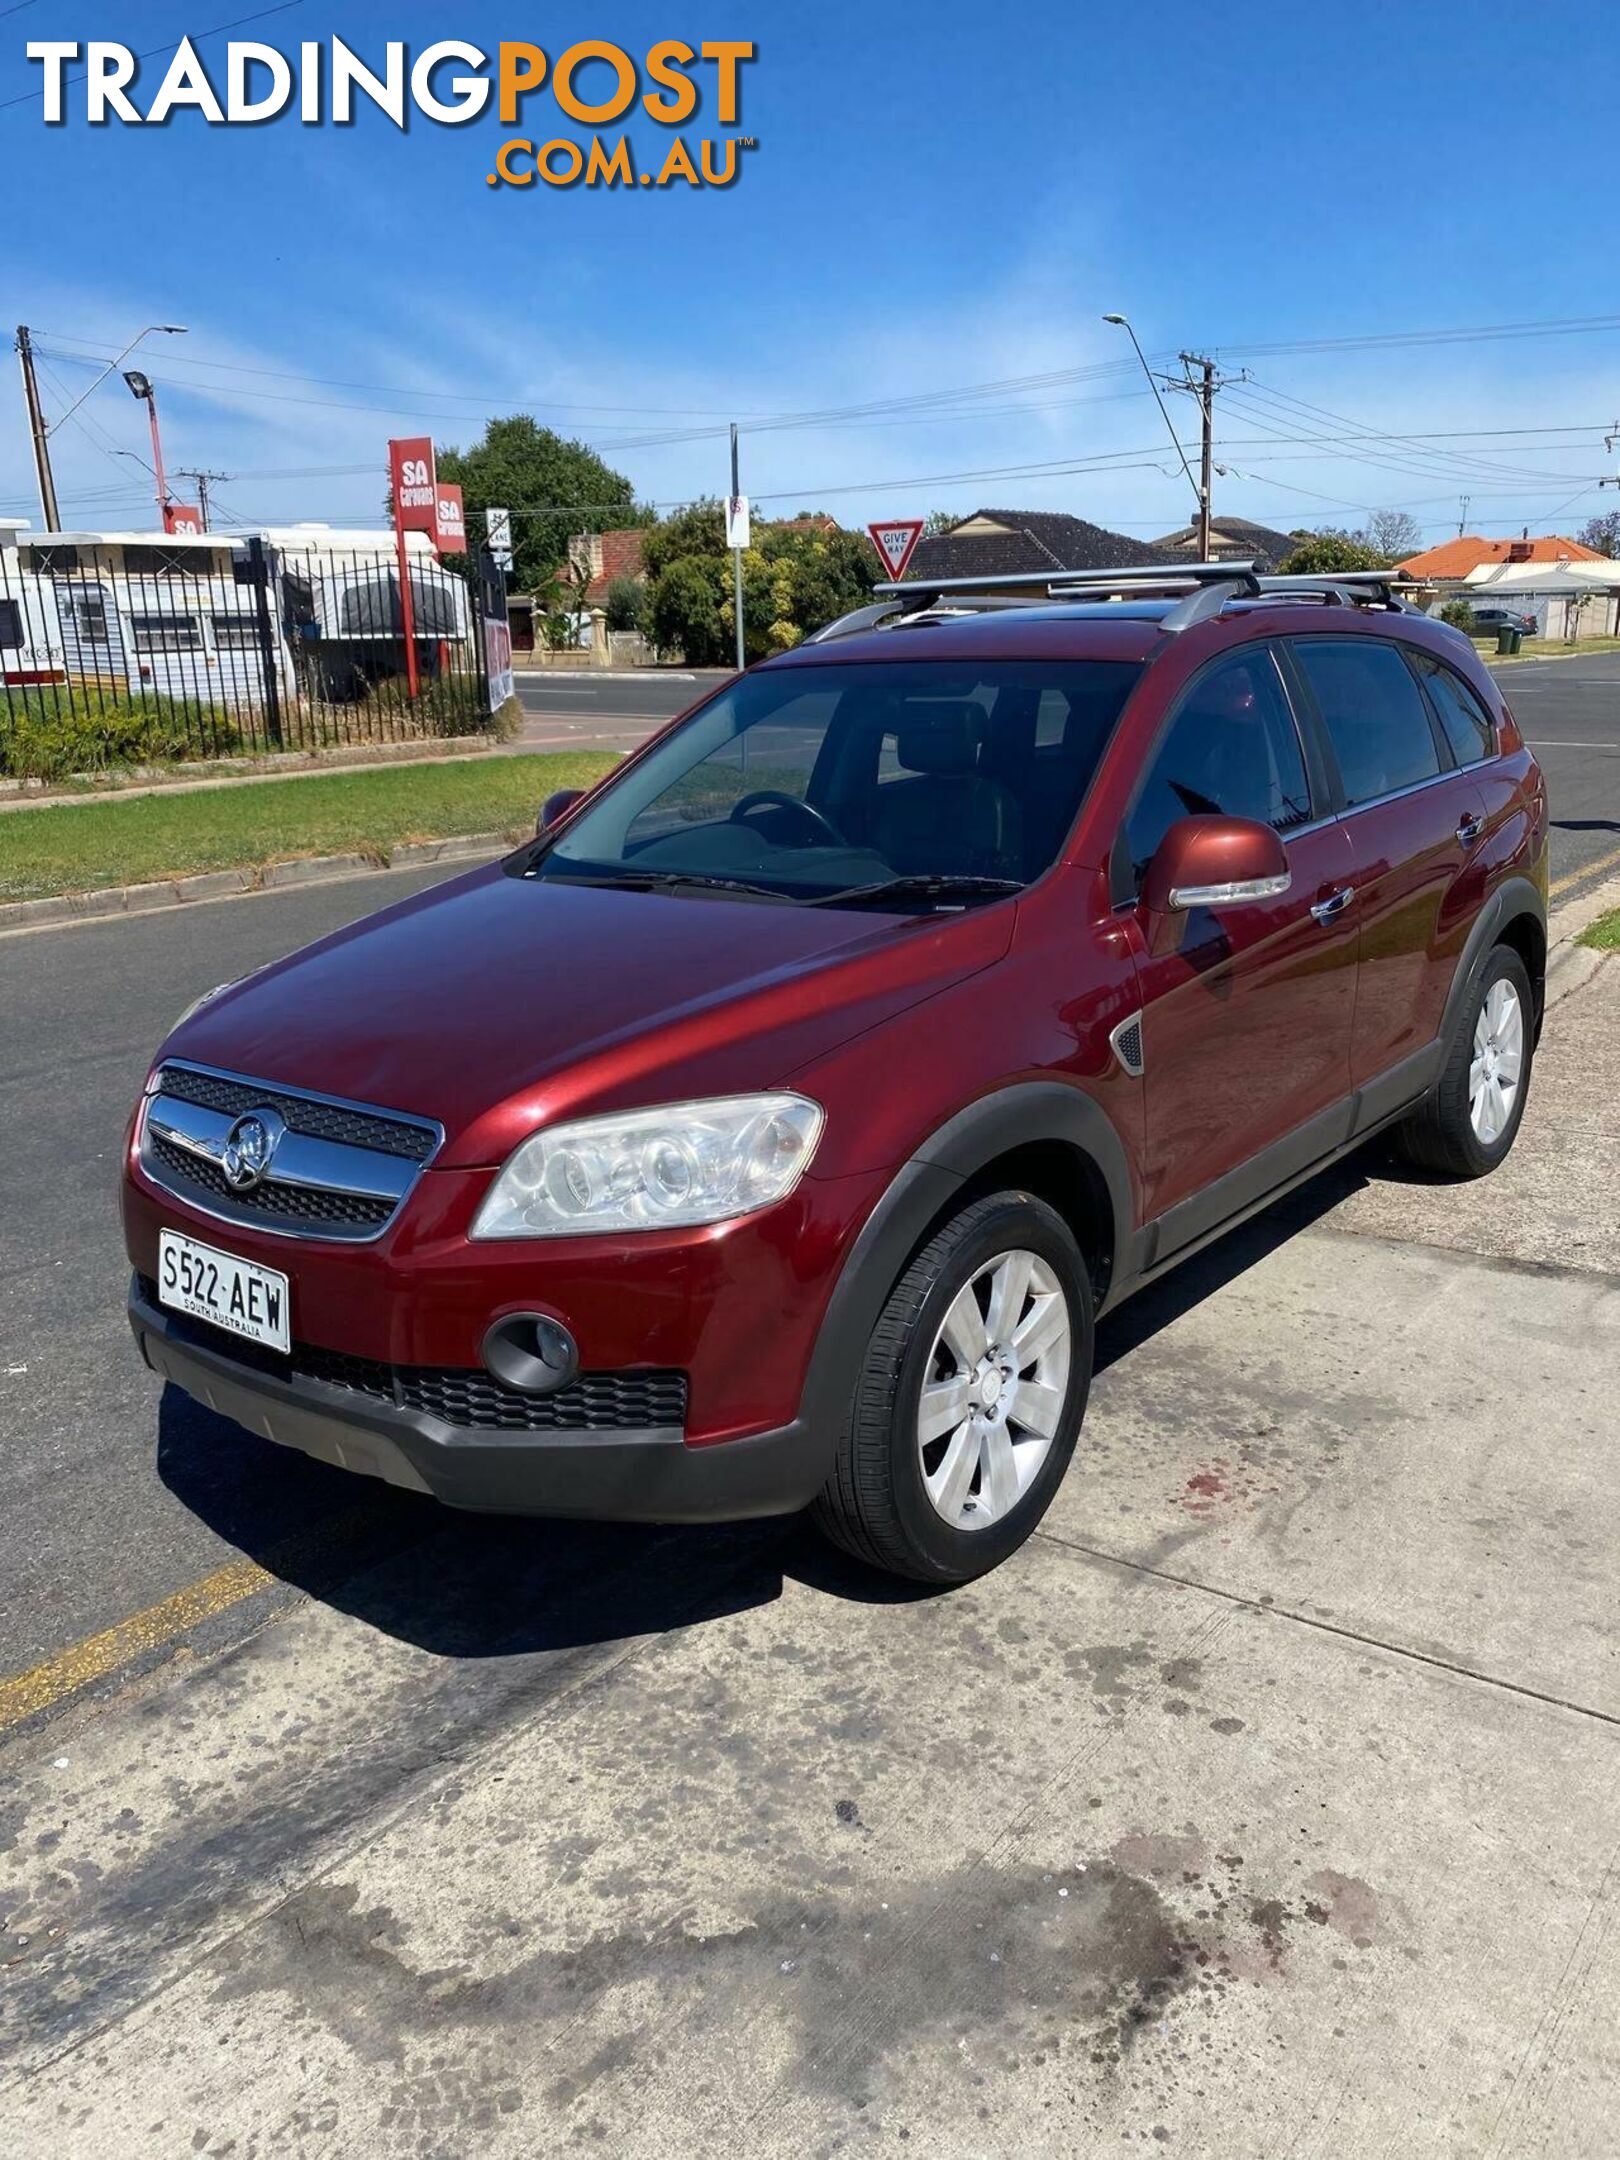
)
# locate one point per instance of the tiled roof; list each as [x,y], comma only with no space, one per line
[1262,544]
[1036,541]
[1455,558]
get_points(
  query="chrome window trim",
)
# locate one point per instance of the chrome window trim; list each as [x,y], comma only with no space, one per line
[1412,787]
[315,1162]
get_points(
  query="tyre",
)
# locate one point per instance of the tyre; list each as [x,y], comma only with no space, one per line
[1471,1119]
[968,1405]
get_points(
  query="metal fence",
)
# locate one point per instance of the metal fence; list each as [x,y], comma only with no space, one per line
[116,652]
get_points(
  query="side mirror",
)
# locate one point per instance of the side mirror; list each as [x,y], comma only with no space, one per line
[1213,862]
[557,806]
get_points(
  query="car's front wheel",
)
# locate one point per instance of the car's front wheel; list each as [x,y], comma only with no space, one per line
[968,1406]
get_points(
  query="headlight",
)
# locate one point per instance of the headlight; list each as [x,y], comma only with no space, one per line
[673,1167]
[207,998]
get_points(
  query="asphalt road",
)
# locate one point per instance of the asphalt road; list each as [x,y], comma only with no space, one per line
[1570,713]
[595,710]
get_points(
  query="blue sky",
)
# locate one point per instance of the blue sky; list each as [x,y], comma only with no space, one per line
[929,209]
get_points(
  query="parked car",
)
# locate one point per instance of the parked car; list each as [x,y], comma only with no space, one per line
[1488,620]
[772,1130]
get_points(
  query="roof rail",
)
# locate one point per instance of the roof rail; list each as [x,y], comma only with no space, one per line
[1200,591]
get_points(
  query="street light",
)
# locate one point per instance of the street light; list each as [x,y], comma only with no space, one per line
[166,329]
[140,386]
[1123,322]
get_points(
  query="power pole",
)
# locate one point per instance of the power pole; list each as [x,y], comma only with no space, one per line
[37,428]
[1205,394]
[1462,514]
[1203,387]
[202,479]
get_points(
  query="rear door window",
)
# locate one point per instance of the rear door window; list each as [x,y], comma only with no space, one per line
[1466,723]
[1373,712]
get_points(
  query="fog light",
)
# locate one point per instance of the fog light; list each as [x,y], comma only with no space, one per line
[531,1352]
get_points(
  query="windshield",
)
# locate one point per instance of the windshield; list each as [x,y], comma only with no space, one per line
[918,783]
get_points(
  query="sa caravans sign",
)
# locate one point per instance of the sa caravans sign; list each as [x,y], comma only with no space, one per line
[895,541]
[422,502]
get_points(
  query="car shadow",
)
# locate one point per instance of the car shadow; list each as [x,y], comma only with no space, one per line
[479,1586]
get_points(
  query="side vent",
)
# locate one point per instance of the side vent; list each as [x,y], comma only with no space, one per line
[1126,1040]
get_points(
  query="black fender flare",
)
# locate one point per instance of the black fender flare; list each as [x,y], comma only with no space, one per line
[1515,896]
[920,1191]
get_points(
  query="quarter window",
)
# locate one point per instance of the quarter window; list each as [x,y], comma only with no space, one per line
[1463,719]
[10,624]
[1373,712]
[1232,751]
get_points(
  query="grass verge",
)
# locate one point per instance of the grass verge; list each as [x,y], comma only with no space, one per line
[81,846]
[1604,934]
[1535,649]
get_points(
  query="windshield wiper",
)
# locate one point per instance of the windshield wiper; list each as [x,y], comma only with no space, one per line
[939,886]
[672,880]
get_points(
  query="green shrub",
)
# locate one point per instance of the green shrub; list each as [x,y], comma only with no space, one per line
[1459,613]
[626,597]
[51,733]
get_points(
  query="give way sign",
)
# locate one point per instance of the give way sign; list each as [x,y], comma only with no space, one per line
[894,541]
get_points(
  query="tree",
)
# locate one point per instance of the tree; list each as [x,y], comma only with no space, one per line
[699,529]
[1394,534]
[1603,533]
[937,522]
[554,487]
[684,603]
[795,578]
[1331,550]
[821,575]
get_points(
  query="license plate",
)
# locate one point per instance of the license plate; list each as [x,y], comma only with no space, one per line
[231,1293]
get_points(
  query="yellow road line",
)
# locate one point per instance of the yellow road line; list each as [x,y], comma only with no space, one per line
[45,1685]
[1581,877]
[335,1544]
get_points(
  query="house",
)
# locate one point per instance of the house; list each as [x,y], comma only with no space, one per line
[607,556]
[1009,543]
[1239,539]
[1454,560]
[1568,599]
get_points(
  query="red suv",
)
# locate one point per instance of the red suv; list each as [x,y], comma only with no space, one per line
[772,1129]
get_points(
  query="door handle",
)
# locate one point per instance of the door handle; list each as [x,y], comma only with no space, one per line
[1470,829]
[1334,904]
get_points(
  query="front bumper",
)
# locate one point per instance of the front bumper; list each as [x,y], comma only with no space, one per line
[646,1475]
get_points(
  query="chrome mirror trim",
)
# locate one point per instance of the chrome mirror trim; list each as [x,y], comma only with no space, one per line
[1237,892]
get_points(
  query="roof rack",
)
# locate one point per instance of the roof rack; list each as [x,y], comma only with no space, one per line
[1199,590]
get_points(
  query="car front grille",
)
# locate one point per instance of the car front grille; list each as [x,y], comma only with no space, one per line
[472,1399]
[312,1114]
[329,1170]
[287,1205]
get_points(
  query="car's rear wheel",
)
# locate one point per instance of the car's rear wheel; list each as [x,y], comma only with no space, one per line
[968,1406]
[1472,1118]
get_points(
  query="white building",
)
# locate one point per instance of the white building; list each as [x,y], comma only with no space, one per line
[1568,599]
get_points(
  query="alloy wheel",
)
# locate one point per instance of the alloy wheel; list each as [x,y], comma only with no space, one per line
[1498,1063]
[994,1391]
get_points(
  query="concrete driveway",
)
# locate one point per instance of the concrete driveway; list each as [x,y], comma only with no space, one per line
[1264,1805]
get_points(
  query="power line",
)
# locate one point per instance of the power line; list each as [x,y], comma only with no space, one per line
[1544,326]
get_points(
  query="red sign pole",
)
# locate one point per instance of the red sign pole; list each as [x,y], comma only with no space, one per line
[407,613]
